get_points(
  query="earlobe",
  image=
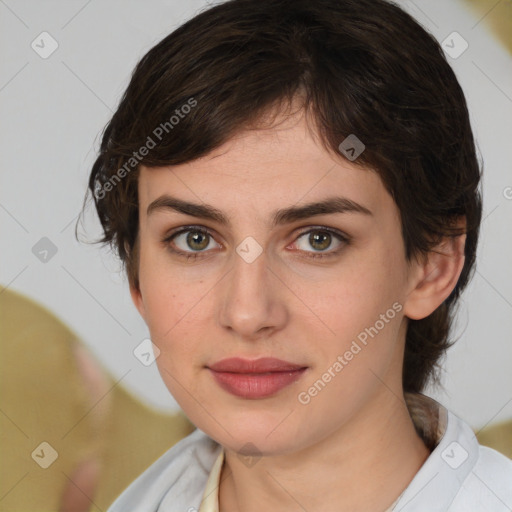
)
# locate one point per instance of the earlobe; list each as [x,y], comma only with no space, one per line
[435,278]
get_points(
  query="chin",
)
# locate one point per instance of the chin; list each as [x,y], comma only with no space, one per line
[252,434]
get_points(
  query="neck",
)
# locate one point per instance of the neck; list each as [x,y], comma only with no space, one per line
[340,472]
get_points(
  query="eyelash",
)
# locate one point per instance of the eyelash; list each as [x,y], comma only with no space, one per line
[199,254]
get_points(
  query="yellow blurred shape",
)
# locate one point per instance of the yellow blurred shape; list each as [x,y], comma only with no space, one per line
[497,15]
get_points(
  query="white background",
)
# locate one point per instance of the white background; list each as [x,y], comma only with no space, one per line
[53,110]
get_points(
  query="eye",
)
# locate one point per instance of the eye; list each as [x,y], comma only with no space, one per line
[321,239]
[190,242]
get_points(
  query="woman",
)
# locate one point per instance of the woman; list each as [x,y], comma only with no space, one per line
[293,189]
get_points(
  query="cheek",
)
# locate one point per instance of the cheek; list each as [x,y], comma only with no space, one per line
[362,310]
[163,294]
[176,310]
[355,295]
[177,331]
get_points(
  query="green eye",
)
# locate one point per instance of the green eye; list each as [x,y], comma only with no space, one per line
[194,242]
[197,240]
[189,242]
[321,239]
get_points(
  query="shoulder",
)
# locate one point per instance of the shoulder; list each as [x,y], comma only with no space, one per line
[488,486]
[460,475]
[181,472]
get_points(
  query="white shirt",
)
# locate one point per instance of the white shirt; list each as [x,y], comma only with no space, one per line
[458,476]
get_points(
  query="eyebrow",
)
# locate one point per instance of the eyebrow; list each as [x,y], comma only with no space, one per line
[280,217]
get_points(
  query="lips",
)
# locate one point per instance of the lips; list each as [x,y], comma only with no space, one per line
[262,365]
[256,379]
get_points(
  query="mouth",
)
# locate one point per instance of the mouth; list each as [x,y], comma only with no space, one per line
[255,379]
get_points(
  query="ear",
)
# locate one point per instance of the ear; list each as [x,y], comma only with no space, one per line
[137,299]
[435,277]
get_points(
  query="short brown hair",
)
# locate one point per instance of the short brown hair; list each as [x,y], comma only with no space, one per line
[362,67]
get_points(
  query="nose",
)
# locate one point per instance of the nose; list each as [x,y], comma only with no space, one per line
[253,300]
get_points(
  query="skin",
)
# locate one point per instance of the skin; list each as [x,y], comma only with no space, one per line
[353,446]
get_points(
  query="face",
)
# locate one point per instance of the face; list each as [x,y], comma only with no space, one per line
[322,289]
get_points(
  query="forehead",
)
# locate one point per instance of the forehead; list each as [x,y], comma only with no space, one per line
[264,169]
